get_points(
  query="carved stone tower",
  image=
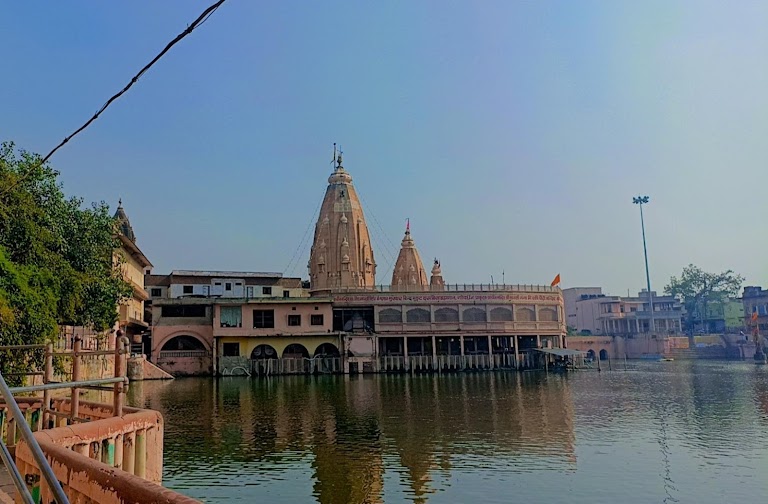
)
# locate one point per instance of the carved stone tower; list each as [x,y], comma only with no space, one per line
[341,256]
[409,274]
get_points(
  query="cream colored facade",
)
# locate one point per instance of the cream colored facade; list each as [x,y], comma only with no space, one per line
[341,257]
[134,265]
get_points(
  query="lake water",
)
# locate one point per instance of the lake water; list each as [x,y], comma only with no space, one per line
[689,432]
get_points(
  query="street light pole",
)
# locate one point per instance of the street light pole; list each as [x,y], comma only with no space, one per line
[643,200]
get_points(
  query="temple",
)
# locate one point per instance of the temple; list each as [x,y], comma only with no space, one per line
[341,320]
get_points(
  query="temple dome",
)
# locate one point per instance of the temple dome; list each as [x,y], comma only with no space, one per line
[341,257]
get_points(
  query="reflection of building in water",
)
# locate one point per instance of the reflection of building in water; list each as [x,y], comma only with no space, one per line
[342,430]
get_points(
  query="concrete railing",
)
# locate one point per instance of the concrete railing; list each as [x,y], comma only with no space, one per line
[104,459]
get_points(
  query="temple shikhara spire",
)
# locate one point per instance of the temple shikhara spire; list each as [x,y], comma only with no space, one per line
[409,271]
[341,256]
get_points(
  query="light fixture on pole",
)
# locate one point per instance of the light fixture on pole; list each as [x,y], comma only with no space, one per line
[643,200]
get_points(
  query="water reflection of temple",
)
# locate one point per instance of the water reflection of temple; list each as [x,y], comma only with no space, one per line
[346,432]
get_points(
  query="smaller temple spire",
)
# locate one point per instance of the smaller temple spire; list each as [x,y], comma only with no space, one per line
[436,282]
[123,223]
[408,274]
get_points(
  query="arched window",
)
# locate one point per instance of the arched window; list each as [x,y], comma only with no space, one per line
[524,314]
[474,315]
[446,315]
[603,354]
[181,343]
[418,315]
[390,316]
[501,314]
[295,350]
[547,314]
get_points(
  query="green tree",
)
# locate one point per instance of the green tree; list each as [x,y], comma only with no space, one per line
[57,260]
[697,289]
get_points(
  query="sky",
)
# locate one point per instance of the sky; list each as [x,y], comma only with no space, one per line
[512,134]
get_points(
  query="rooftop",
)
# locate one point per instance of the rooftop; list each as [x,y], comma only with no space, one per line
[226,274]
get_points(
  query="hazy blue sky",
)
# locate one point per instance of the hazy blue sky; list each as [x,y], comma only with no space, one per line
[513,134]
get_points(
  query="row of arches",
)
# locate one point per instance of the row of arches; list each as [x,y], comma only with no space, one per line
[264,351]
[294,351]
[473,314]
[603,354]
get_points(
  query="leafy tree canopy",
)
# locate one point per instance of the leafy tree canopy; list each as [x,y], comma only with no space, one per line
[57,261]
[697,288]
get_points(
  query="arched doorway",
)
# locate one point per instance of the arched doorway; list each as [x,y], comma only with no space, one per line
[327,359]
[263,352]
[295,359]
[603,354]
[590,354]
[327,350]
[184,355]
[264,360]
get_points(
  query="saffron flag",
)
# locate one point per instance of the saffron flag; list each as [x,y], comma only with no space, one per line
[754,316]
[556,281]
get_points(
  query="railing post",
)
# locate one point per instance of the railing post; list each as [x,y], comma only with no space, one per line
[118,441]
[141,453]
[75,399]
[47,378]
[129,451]
[120,371]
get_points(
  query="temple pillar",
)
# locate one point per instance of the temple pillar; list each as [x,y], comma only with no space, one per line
[461,344]
[490,352]
[434,352]
[405,353]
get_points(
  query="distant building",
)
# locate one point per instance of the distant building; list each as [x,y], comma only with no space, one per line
[727,316]
[186,310]
[628,316]
[570,298]
[755,300]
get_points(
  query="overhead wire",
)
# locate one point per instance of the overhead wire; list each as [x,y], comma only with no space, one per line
[291,266]
[202,18]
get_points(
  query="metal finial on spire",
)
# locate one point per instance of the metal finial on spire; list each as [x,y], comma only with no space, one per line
[333,159]
[120,202]
[408,225]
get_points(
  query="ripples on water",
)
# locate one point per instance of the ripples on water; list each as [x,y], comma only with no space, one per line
[658,432]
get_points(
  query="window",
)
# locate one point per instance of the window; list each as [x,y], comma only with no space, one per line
[231,316]
[156,292]
[182,311]
[316,320]
[228,286]
[446,315]
[286,293]
[249,292]
[218,284]
[238,284]
[230,349]
[474,315]
[263,319]
[267,291]
[188,289]
[390,315]
[294,320]
[417,315]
